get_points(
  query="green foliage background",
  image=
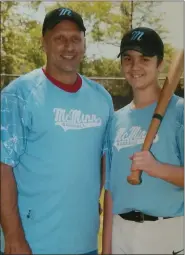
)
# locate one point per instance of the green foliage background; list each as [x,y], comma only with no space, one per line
[106,22]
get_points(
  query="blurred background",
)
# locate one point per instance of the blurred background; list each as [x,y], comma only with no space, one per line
[106,22]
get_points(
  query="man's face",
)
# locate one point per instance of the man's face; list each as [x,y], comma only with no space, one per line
[64,46]
[138,70]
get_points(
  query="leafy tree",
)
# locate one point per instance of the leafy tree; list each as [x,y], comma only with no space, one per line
[17,39]
[106,22]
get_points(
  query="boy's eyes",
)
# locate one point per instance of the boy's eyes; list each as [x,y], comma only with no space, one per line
[126,58]
[144,59]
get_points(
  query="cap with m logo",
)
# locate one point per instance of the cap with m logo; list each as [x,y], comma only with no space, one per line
[144,40]
[55,16]
[65,11]
[136,35]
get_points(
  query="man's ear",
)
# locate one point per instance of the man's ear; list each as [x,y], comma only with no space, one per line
[43,44]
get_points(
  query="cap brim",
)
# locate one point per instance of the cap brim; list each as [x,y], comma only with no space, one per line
[135,48]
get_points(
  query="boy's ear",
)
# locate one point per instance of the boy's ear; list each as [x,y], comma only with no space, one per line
[161,66]
[85,45]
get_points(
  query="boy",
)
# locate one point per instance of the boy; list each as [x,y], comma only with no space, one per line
[147,218]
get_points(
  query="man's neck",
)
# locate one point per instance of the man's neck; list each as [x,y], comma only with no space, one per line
[146,97]
[63,77]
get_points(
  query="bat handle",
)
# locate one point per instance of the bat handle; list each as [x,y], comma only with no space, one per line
[135,177]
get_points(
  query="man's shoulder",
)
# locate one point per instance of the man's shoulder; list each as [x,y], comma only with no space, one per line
[98,87]
[23,84]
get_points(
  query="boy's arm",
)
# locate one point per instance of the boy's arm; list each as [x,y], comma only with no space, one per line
[173,174]
[107,208]
[146,162]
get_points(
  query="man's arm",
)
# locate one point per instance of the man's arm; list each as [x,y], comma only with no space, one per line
[15,242]
[102,180]
[107,224]
[16,123]
[10,220]
[102,172]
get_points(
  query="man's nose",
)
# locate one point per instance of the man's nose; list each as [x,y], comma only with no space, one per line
[69,46]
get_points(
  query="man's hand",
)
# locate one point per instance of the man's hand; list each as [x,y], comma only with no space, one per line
[146,162]
[17,246]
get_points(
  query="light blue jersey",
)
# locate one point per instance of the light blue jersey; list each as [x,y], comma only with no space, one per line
[154,196]
[54,141]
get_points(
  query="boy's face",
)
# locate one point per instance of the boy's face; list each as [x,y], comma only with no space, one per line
[140,71]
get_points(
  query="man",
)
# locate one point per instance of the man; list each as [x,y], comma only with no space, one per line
[146,218]
[54,124]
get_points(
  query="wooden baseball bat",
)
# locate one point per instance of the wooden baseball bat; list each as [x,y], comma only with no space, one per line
[170,84]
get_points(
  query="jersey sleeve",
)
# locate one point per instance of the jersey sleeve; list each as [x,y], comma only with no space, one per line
[180,131]
[108,155]
[14,129]
[107,131]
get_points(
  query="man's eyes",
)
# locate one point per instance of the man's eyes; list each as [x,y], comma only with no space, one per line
[76,39]
[63,39]
[59,38]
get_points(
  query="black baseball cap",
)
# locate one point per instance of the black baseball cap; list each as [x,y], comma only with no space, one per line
[144,40]
[55,16]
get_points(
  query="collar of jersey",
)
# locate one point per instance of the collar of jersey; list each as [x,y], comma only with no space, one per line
[66,87]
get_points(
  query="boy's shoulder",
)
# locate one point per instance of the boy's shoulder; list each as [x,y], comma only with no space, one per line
[122,111]
[177,106]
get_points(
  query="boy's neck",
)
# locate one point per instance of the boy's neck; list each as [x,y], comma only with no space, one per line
[146,97]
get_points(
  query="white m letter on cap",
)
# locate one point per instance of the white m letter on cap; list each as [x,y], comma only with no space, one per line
[136,35]
[65,12]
